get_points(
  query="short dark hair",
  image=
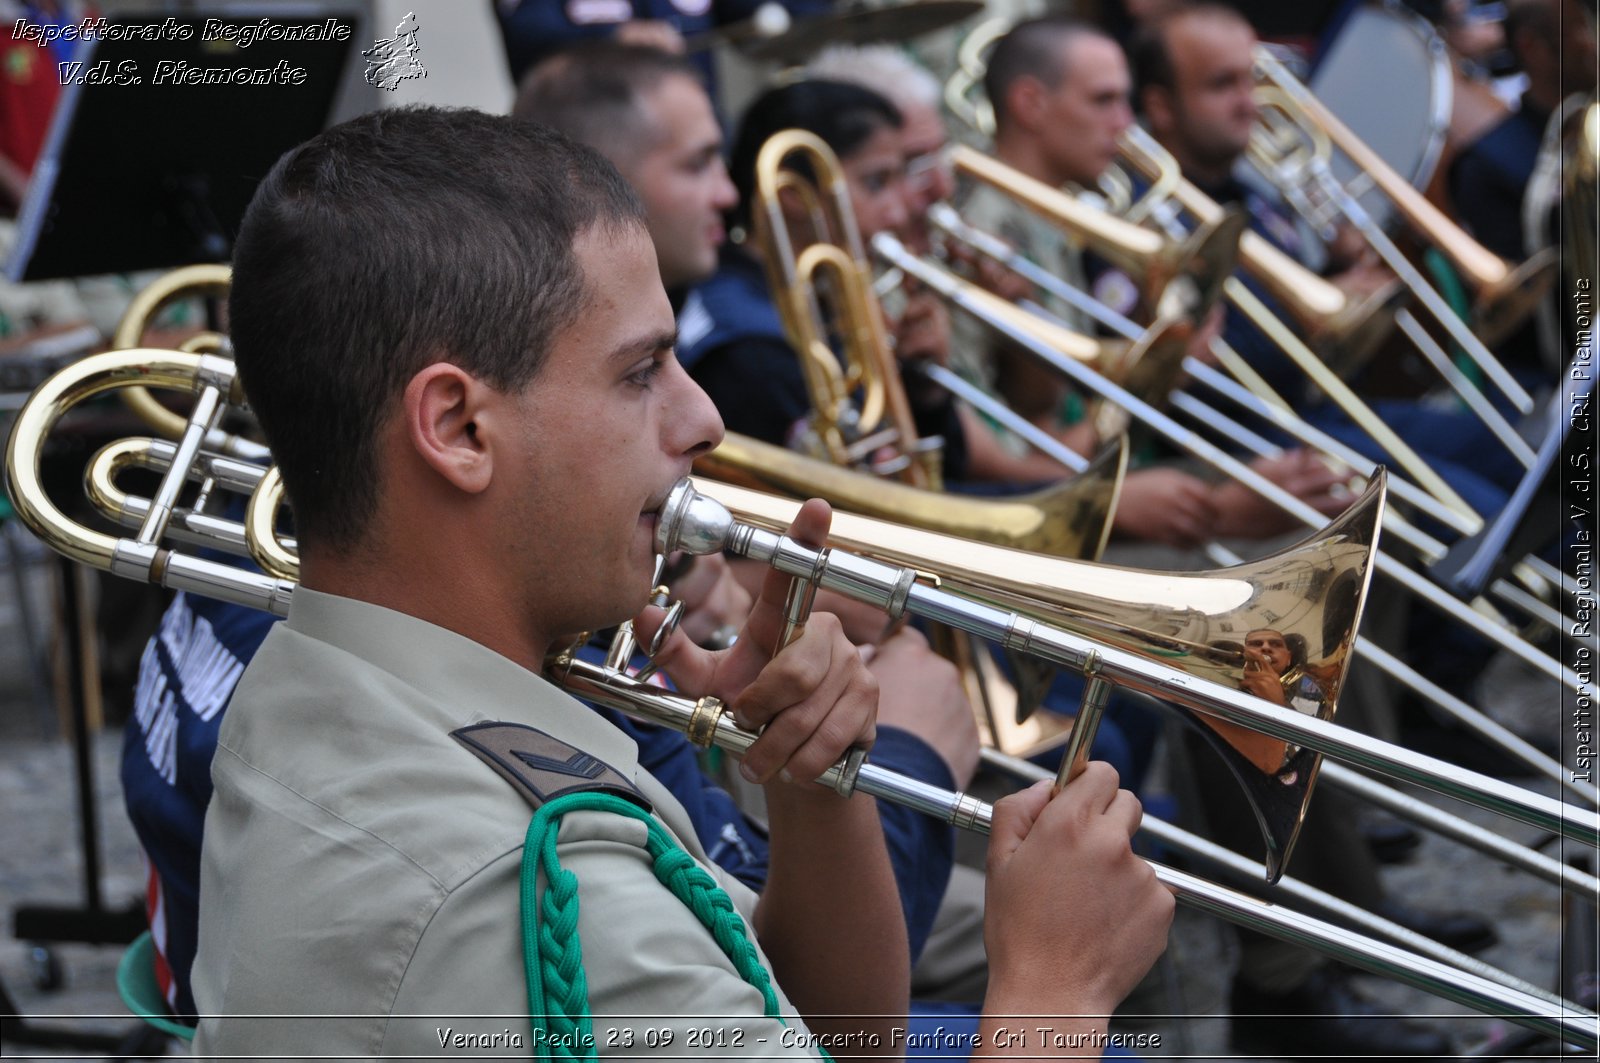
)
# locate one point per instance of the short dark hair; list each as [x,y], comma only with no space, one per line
[1031,49]
[1150,51]
[842,115]
[1539,18]
[591,92]
[401,238]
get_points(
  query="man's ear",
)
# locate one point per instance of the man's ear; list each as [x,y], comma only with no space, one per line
[1025,102]
[443,406]
[795,216]
[1155,103]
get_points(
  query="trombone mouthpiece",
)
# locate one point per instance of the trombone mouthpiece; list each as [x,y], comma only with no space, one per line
[693,523]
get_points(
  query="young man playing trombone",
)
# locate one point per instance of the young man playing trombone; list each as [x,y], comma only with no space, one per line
[476,319]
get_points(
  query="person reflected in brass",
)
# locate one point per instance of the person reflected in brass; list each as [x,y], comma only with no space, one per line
[1275,669]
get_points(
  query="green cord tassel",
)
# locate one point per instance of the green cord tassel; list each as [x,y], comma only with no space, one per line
[558,990]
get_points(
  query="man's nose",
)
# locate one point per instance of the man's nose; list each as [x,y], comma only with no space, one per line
[694,427]
[724,196]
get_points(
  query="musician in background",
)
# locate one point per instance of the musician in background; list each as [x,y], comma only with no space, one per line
[1197,95]
[1275,669]
[1059,87]
[1554,44]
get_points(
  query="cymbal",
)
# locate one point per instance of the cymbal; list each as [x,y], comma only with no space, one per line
[857,24]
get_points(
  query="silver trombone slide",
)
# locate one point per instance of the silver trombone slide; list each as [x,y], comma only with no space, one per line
[708,725]
[945,218]
[948,221]
[1317,169]
[1288,887]
[891,249]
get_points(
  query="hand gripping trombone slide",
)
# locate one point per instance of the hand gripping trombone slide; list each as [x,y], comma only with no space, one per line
[706,723]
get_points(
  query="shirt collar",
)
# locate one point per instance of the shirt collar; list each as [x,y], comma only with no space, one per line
[451,668]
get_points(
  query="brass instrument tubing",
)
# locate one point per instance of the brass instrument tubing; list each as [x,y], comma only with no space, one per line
[1337,390]
[1281,414]
[1352,209]
[1008,418]
[1461,979]
[1474,259]
[1430,350]
[1292,888]
[701,525]
[1430,549]
[1201,448]
[1457,829]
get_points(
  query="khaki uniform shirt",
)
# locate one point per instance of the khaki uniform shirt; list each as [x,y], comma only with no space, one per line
[360,869]
[1036,239]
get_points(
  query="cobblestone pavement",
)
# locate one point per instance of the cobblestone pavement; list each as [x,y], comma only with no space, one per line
[39,862]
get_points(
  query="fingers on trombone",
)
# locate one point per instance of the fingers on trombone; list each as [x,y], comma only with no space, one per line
[1013,820]
[766,623]
[813,703]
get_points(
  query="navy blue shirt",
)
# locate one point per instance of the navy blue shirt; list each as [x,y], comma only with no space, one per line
[534,29]
[1490,176]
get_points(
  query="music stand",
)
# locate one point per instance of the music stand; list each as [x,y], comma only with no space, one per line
[1533,515]
[158,174]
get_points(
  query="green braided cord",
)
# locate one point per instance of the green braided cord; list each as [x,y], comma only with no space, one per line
[558,991]
[1449,284]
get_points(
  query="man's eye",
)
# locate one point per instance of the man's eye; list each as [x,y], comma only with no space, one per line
[645,375]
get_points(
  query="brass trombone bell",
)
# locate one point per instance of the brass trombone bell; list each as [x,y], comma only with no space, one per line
[1313,590]
[1179,280]
[1071,519]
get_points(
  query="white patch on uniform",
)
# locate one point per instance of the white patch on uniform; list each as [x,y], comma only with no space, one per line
[206,672]
[1282,230]
[694,321]
[1117,290]
[692,8]
[597,12]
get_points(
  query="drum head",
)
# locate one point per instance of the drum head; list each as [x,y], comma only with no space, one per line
[1387,77]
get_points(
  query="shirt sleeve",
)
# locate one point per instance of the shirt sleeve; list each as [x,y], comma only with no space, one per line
[921,848]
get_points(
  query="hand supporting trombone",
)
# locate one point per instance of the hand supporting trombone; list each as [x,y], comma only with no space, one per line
[1487,990]
[1021,332]
[1507,294]
[147,557]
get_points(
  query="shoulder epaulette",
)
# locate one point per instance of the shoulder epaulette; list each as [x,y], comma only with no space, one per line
[543,767]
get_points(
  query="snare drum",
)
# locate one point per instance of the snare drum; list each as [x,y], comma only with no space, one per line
[1388,77]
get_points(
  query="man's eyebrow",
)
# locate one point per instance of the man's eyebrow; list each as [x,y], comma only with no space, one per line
[645,345]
